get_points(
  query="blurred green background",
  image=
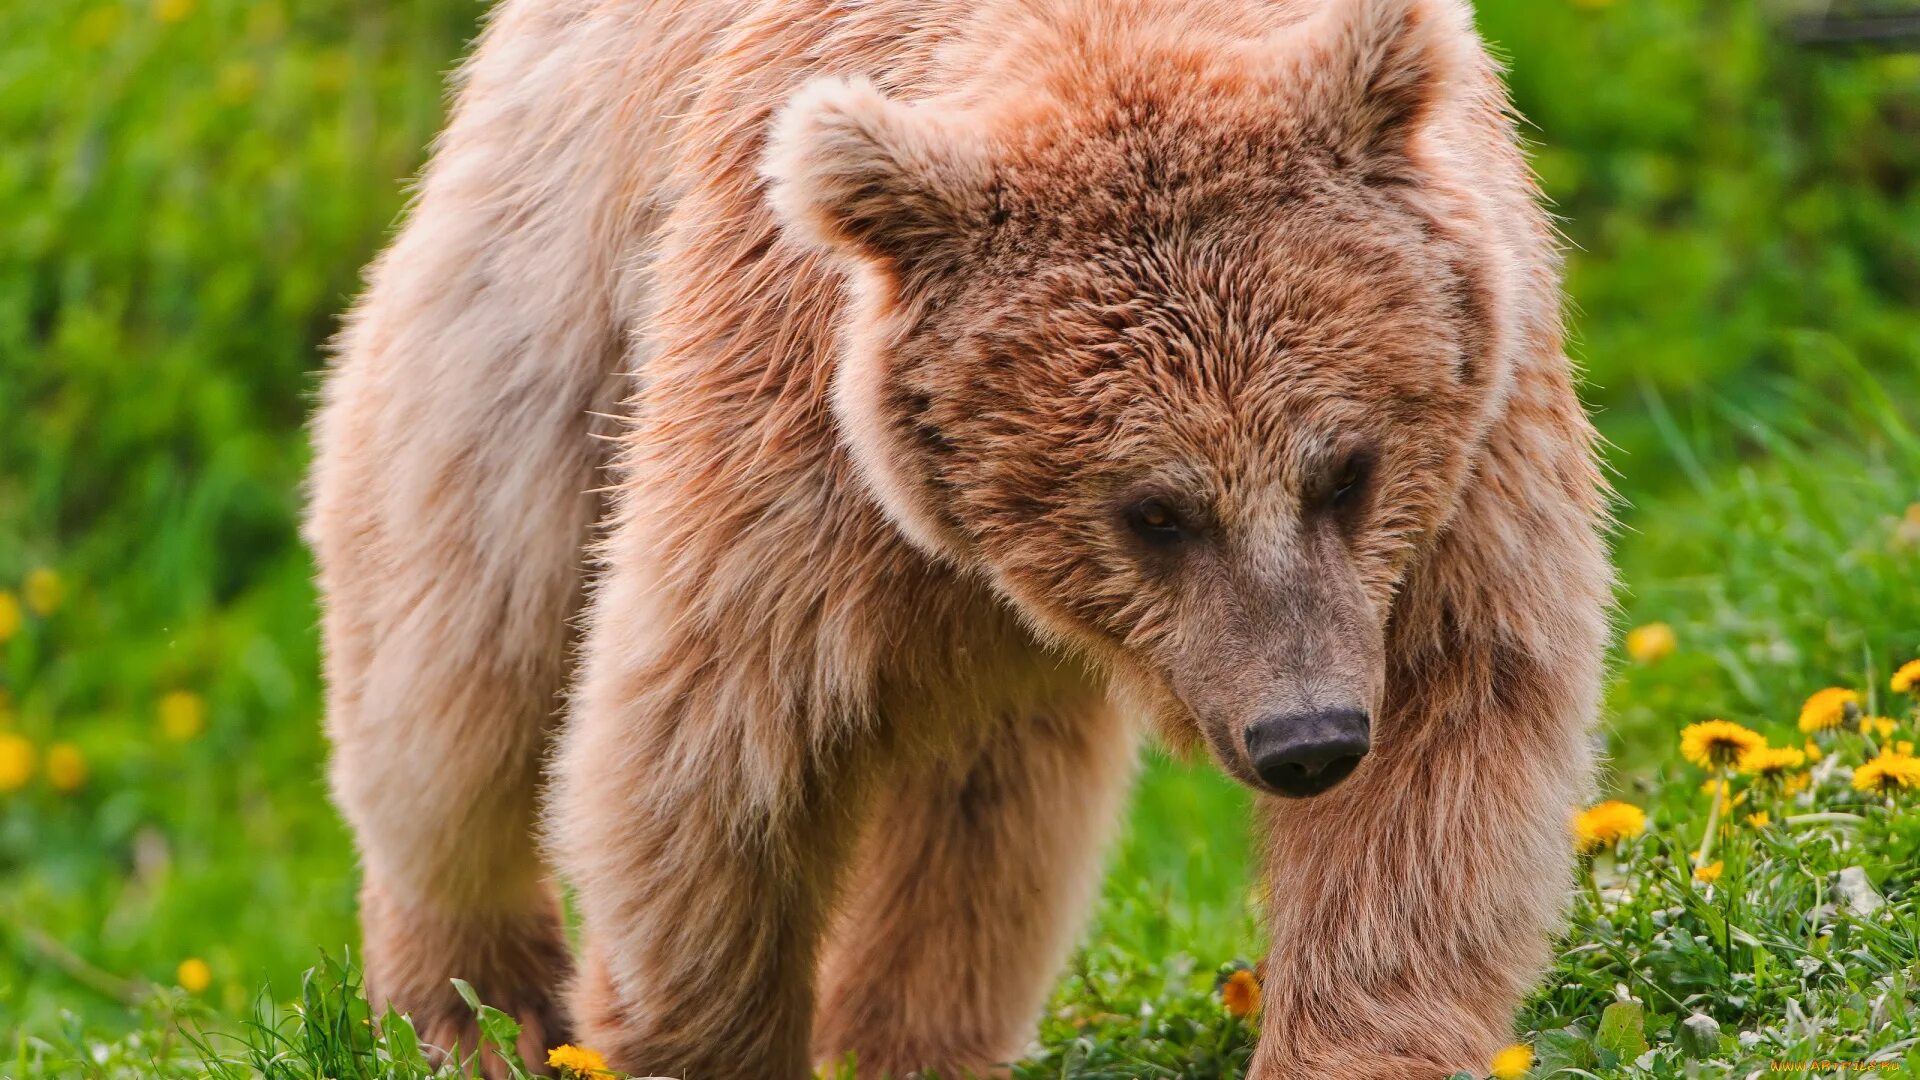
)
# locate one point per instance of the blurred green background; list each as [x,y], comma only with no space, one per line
[188,189]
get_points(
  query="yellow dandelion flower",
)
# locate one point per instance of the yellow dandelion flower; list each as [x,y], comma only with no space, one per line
[1890,772]
[1760,820]
[1606,824]
[1711,744]
[172,11]
[1907,677]
[1795,783]
[1512,1063]
[183,714]
[1651,643]
[1829,708]
[1772,762]
[193,975]
[16,761]
[1880,726]
[1709,873]
[1813,750]
[66,767]
[1903,748]
[9,616]
[577,1061]
[44,590]
[1241,993]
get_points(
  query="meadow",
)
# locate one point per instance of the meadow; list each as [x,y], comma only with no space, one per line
[190,187]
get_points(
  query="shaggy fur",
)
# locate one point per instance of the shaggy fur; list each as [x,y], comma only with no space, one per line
[924,301]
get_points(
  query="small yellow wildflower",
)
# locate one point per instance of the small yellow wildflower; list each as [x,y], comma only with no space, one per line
[1813,750]
[1795,783]
[1513,1062]
[1651,643]
[43,590]
[1880,726]
[16,761]
[1760,820]
[1713,782]
[1905,679]
[172,11]
[1890,772]
[183,714]
[1829,708]
[1711,744]
[577,1061]
[9,616]
[1241,993]
[193,975]
[1772,762]
[1606,824]
[1709,873]
[66,767]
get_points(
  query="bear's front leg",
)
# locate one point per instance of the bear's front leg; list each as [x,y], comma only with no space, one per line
[701,810]
[1413,907]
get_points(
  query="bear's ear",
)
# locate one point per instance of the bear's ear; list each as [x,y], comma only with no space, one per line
[1370,72]
[855,172]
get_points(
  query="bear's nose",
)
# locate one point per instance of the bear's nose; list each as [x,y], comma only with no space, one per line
[1302,754]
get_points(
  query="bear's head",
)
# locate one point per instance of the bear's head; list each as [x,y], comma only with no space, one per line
[1185,344]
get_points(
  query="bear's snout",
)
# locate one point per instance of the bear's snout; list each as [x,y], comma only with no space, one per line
[1306,753]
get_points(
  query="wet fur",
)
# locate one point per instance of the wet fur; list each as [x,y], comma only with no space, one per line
[896,304]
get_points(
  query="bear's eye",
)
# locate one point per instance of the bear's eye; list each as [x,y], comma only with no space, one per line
[1350,481]
[1154,521]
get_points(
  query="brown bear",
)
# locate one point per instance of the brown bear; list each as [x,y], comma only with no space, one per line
[935,394]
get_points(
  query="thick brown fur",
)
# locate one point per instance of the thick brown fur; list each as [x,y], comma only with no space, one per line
[922,301]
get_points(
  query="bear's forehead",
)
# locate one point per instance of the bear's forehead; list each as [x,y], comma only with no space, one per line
[1179,380]
[1231,348]
[1102,174]
[1241,223]
[1210,294]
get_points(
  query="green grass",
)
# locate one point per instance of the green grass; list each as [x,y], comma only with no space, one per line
[190,189]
